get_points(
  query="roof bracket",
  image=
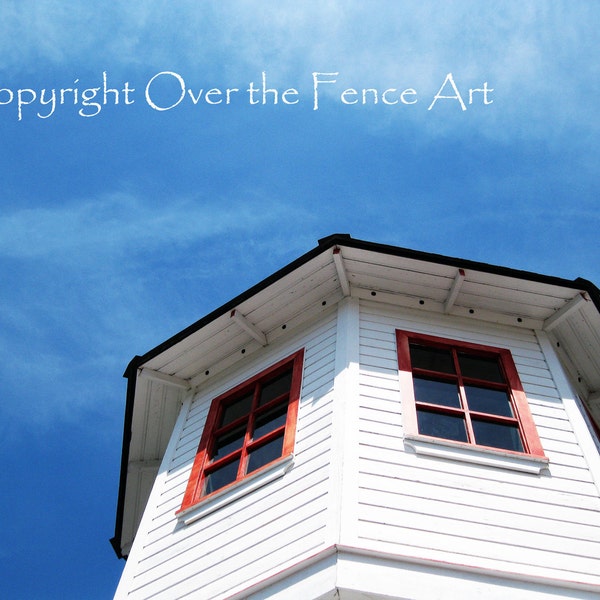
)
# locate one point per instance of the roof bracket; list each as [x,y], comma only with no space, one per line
[165,378]
[248,327]
[341,271]
[454,290]
[562,313]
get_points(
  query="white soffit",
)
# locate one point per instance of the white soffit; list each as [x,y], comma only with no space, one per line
[299,296]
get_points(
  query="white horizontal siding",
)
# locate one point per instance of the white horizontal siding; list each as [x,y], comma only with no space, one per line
[259,533]
[392,501]
[236,552]
[429,508]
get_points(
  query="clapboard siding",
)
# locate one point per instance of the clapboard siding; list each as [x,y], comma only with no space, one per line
[469,498]
[269,500]
[259,532]
[381,462]
[236,562]
[555,539]
[465,513]
[384,498]
[234,536]
[462,549]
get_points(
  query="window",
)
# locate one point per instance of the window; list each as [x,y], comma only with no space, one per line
[465,393]
[246,429]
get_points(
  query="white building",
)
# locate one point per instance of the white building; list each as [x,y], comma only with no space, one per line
[369,422]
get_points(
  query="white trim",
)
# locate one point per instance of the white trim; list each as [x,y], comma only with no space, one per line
[562,313]
[243,487]
[304,577]
[341,271]
[488,457]
[573,410]
[344,449]
[428,305]
[358,573]
[137,547]
[147,373]
[454,290]
[249,327]
[415,573]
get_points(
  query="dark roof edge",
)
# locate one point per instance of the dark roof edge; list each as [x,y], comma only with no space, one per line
[336,239]
[130,397]
[592,290]
[324,244]
[344,239]
[579,283]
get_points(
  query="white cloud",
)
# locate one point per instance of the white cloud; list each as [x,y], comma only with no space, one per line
[88,284]
[119,222]
[541,58]
[94,293]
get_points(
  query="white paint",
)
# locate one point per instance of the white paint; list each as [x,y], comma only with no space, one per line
[573,410]
[259,532]
[137,549]
[248,327]
[341,271]
[434,507]
[454,290]
[479,456]
[358,516]
[231,494]
[164,378]
[562,313]
[344,485]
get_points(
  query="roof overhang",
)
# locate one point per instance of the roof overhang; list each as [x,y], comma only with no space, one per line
[342,266]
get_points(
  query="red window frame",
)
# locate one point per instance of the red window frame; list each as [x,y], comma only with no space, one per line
[205,463]
[521,417]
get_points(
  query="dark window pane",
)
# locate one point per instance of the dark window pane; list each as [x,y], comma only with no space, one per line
[432,359]
[494,402]
[238,408]
[265,454]
[275,387]
[480,367]
[497,435]
[272,419]
[448,427]
[436,392]
[221,477]
[228,442]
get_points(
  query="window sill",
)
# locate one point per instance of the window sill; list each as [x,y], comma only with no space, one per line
[236,490]
[488,457]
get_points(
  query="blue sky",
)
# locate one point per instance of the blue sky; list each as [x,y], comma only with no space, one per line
[117,230]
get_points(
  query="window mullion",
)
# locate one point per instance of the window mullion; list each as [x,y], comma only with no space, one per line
[266,438]
[441,409]
[438,375]
[249,429]
[492,418]
[214,466]
[463,398]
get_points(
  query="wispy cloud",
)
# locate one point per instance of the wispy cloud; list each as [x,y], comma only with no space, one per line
[542,56]
[101,278]
[118,223]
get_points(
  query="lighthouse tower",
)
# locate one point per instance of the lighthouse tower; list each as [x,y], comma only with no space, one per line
[369,422]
